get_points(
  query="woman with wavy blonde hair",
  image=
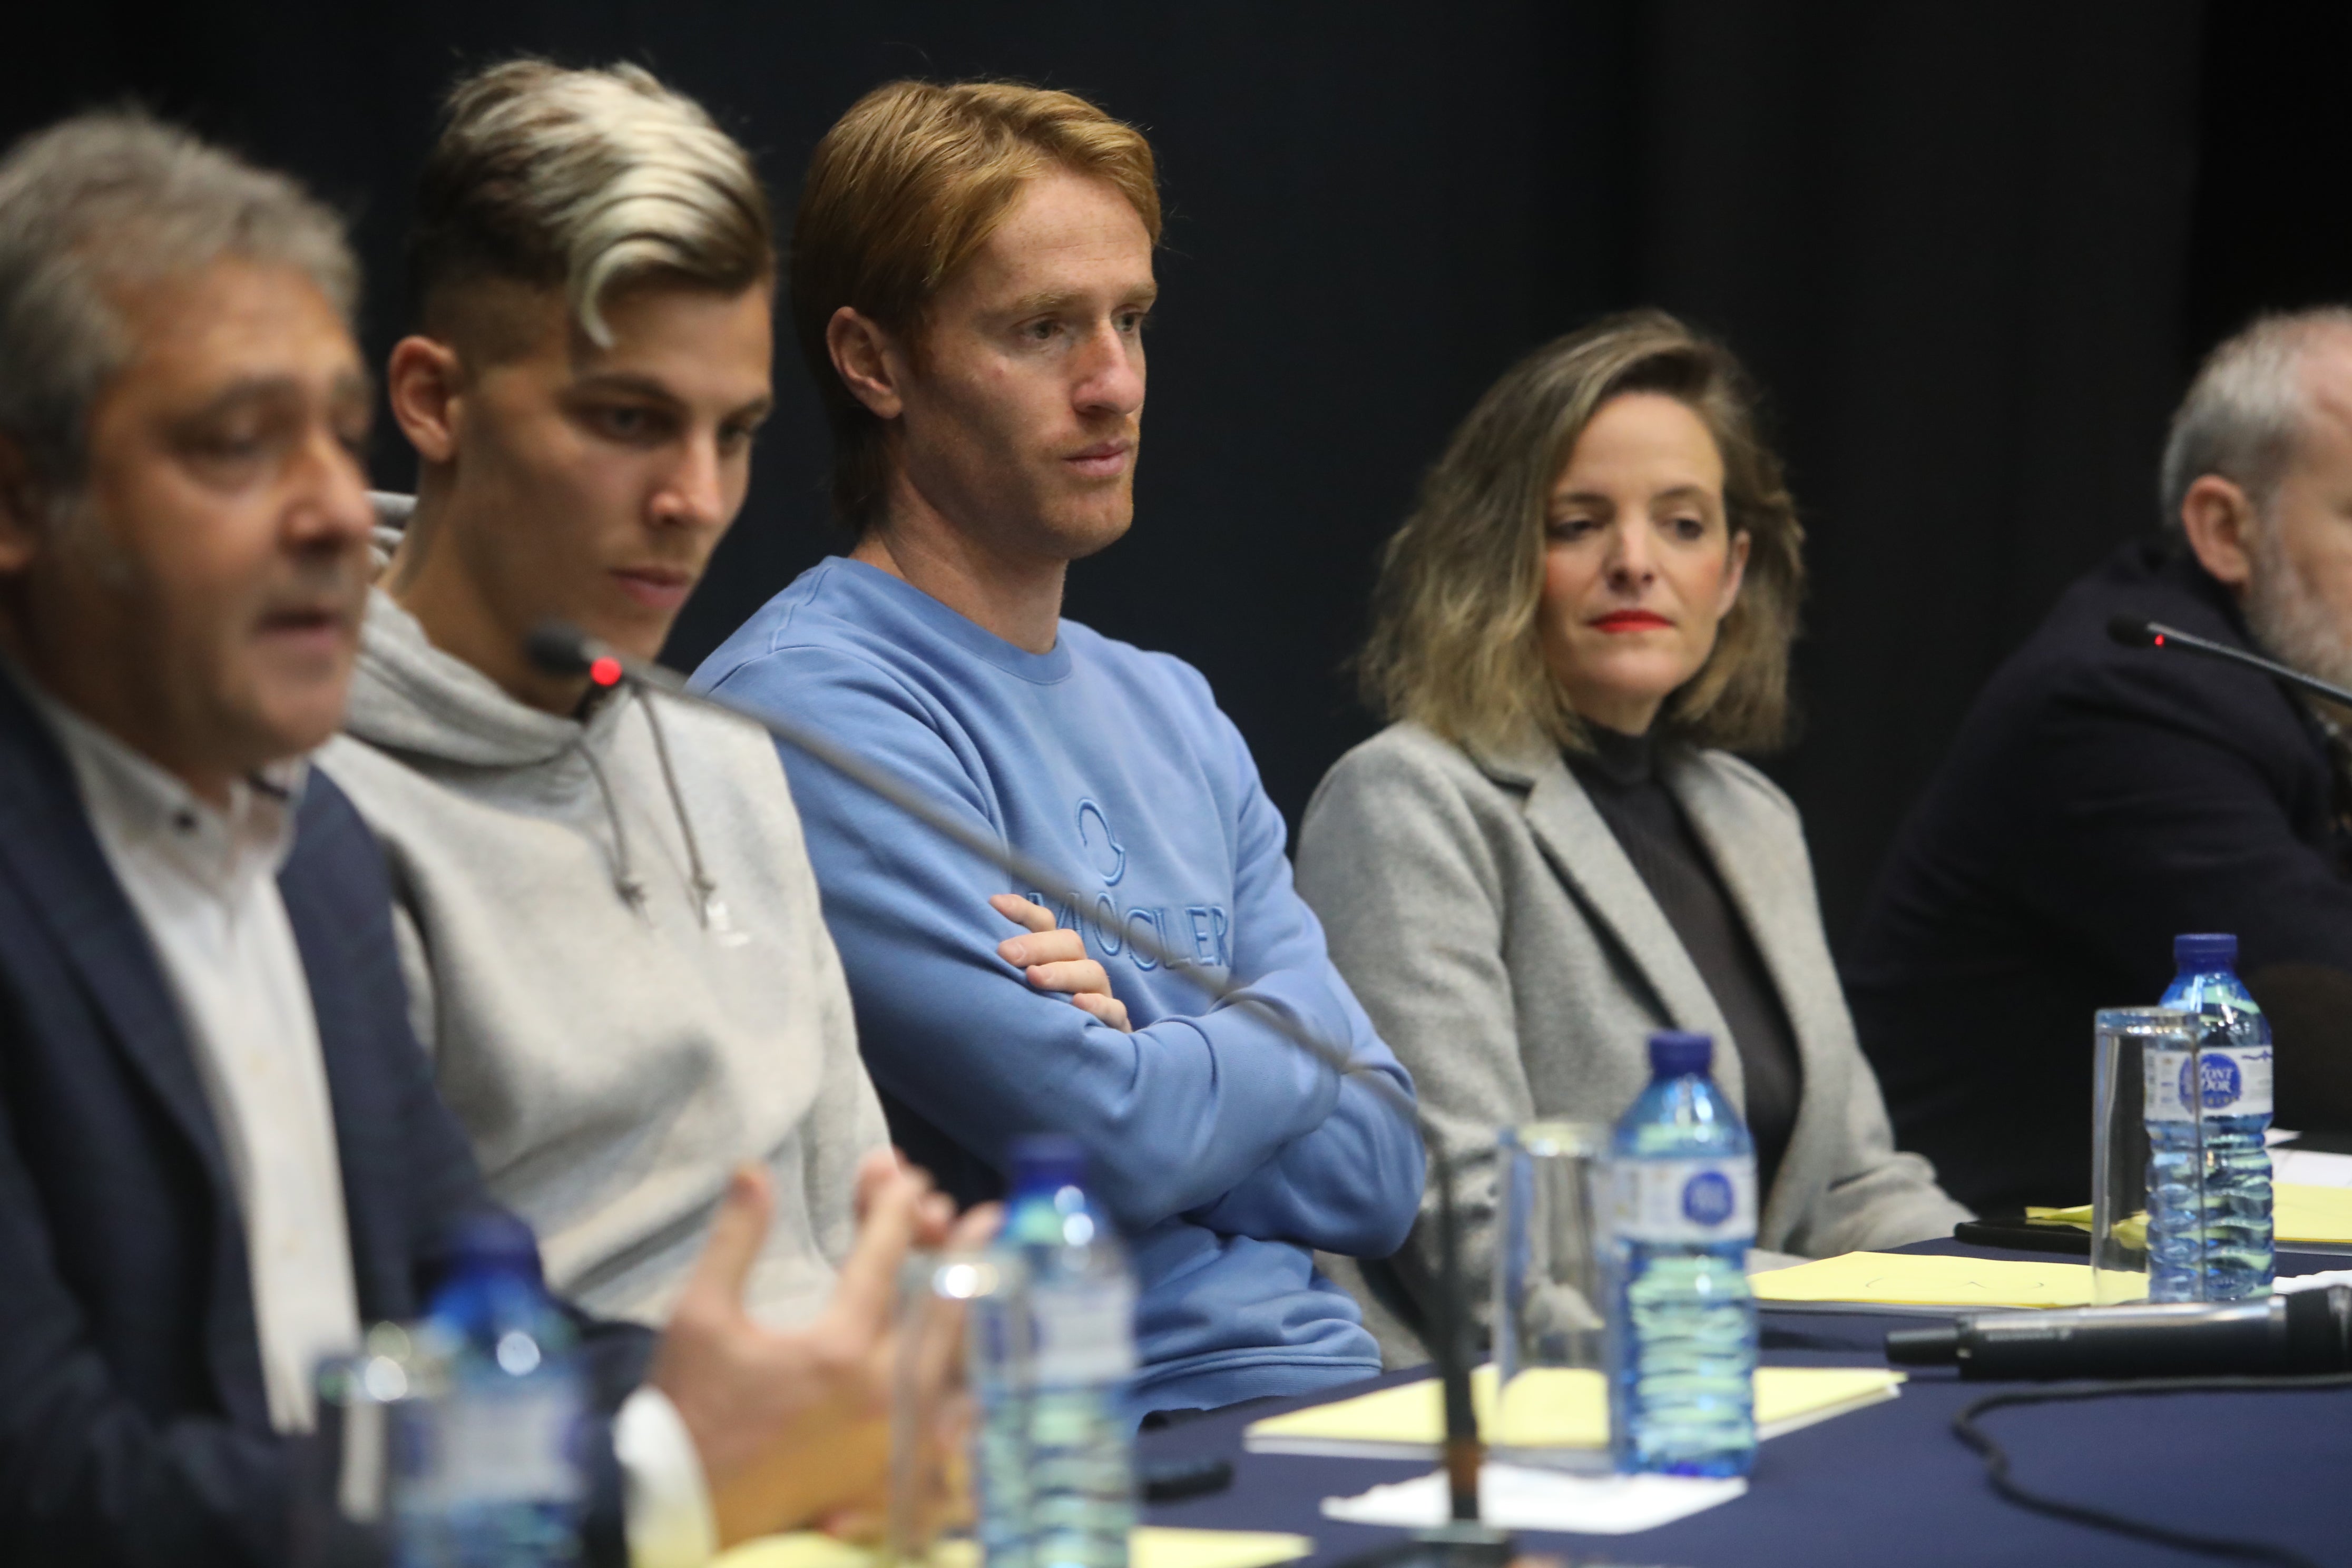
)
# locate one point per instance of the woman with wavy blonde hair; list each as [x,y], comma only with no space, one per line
[1551,851]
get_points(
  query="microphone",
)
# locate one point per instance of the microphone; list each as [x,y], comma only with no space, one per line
[2133,632]
[2307,1332]
[558,647]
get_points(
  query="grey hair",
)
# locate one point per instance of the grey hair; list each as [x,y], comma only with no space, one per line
[116,199]
[586,180]
[2245,411]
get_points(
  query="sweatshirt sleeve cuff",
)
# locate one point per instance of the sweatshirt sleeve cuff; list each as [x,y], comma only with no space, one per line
[668,1507]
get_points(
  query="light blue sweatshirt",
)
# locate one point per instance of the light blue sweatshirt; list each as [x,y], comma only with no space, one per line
[1225,1151]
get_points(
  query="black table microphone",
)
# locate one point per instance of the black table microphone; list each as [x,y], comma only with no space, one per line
[2134,632]
[2308,1331]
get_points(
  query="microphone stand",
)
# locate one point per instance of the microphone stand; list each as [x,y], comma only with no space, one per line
[1465,1541]
[1464,1451]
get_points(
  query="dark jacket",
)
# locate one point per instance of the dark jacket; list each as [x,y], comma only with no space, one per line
[2099,801]
[134,1424]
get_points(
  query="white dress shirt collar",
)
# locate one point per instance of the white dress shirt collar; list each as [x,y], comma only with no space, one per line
[142,805]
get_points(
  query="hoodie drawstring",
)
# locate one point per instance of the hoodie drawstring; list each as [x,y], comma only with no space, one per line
[624,879]
[706,891]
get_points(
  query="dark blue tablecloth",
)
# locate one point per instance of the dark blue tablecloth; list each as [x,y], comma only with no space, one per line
[1891,1484]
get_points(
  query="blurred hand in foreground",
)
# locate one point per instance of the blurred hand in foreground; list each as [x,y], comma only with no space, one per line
[792,1425]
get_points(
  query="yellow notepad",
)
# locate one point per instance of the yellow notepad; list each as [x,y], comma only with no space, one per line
[1552,1407]
[2311,1213]
[2298,1212]
[1155,1546]
[1149,1546]
[1905,1280]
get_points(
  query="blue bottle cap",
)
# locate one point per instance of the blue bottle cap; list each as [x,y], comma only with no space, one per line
[2201,951]
[1051,1160]
[490,1241]
[1674,1053]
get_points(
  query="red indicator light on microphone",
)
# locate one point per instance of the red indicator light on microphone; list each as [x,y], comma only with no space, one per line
[2160,641]
[605,670]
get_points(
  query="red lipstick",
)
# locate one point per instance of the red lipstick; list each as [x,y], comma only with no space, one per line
[1630,621]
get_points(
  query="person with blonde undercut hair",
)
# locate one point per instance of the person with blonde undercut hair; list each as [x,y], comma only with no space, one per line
[613,943]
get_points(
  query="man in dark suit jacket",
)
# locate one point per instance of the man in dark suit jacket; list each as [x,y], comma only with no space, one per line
[183,564]
[2101,800]
[132,1416]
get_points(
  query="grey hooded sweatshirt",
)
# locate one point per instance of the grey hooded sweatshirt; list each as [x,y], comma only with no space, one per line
[616,955]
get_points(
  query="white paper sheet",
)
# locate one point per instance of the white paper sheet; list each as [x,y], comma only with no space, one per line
[2309,1168]
[1516,1497]
[2288,1284]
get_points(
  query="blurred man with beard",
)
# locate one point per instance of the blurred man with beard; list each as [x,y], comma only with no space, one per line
[2101,800]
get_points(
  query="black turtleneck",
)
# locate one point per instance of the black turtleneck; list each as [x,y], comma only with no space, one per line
[1620,776]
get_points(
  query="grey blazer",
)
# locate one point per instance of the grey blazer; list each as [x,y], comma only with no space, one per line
[1513,960]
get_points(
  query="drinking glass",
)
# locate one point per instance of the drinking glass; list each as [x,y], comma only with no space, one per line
[2124,1039]
[962,1349]
[344,1474]
[1550,1299]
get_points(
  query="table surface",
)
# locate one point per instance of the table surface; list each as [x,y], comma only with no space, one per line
[1891,1484]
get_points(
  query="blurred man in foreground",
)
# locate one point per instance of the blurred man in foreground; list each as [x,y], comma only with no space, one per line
[222,1153]
[972,267]
[2101,800]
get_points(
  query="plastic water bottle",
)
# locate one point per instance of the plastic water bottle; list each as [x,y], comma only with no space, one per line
[1682,1341]
[489,1466]
[1081,1295]
[2208,1209]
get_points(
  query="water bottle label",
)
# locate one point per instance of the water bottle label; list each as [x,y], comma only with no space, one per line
[2215,1082]
[1086,1331]
[513,1446]
[1704,1201]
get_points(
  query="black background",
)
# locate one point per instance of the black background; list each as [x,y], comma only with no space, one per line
[1971,250]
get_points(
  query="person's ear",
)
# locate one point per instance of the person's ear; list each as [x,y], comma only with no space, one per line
[2218,517]
[425,384]
[1735,573]
[24,509]
[867,361]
